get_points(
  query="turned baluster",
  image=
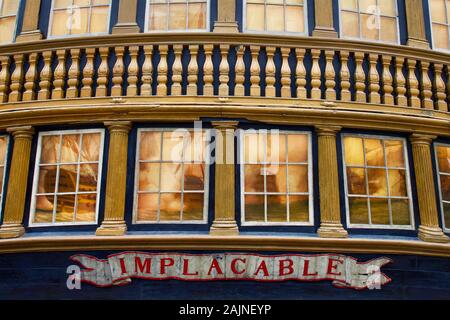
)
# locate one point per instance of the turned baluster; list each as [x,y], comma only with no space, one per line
[17,79]
[400,82]
[285,73]
[330,74]
[162,78]
[192,71]
[177,71]
[239,89]
[300,73]
[413,84]
[88,74]
[315,75]
[30,78]
[387,80]
[440,87]
[224,69]
[427,87]
[345,77]
[374,80]
[60,75]
[133,69]
[360,78]
[45,77]
[270,72]
[74,73]
[208,71]
[118,71]
[103,73]
[4,78]
[255,80]
[147,72]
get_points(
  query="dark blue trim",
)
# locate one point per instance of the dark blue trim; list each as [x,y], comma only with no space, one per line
[387,232]
[240,14]
[19,19]
[427,22]
[140,16]
[402,22]
[55,229]
[311,17]
[114,14]
[44,16]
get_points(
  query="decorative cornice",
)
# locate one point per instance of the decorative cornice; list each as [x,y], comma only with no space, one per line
[242,243]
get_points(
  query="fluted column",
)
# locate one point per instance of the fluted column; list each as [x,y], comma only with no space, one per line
[416,24]
[114,221]
[30,26]
[226,18]
[429,229]
[330,209]
[17,185]
[323,13]
[225,213]
[126,21]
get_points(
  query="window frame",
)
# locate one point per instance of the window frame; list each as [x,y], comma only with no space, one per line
[310,162]
[431,28]
[206,189]
[37,163]
[291,33]
[208,17]
[408,182]
[397,18]
[438,172]
[3,182]
[50,24]
[15,24]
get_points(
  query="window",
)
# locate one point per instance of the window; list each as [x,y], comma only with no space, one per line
[275,16]
[67,178]
[79,17]
[171,184]
[3,159]
[8,17]
[276,178]
[440,21]
[177,15]
[378,191]
[374,20]
[443,159]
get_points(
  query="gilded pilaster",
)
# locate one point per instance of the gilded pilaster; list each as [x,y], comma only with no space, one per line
[225,213]
[416,24]
[323,13]
[226,20]
[429,229]
[126,21]
[330,210]
[114,221]
[30,26]
[17,185]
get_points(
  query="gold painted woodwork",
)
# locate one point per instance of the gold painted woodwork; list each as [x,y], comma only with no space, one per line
[147,72]
[133,69]
[388,81]
[285,73]
[16,79]
[88,74]
[74,72]
[324,20]
[59,75]
[415,22]
[163,68]
[239,89]
[270,73]
[330,83]
[413,84]
[118,71]
[400,82]
[330,210]
[126,20]
[17,185]
[30,26]
[315,75]
[208,77]
[103,73]
[224,69]
[429,229]
[45,77]
[255,80]
[440,88]
[360,78]
[224,204]
[192,77]
[30,78]
[345,77]
[374,79]
[300,74]
[4,78]
[177,71]
[427,102]
[212,243]
[226,17]
[114,221]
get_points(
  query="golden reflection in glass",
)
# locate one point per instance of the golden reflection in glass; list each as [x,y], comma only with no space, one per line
[443,164]
[3,152]
[443,157]
[275,16]
[446,210]
[67,180]
[167,15]
[171,179]
[8,14]
[276,177]
[376,181]
[440,18]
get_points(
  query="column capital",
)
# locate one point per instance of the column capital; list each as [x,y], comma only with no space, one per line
[25,132]
[420,138]
[324,130]
[119,126]
[224,125]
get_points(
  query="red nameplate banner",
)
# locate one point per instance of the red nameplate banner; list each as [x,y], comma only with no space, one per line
[343,271]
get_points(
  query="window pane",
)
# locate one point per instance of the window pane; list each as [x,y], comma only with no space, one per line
[350,24]
[388,7]
[150,146]
[44,209]
[388,30]
[402,216]
[193,206]
[377,182]
[173,145]
[369,6]
[47,179]
[65,207]
[374,152]
[447,215]
[148,207]
[88,178]
[177,17]
[170,207]
[370,27]
[99,20]
[254,178]
[443,155]
[70,148]
[438,11]
[397,183]
[394,153]
[255,17]
[356,180]
[254,148]
[298,179]
[379,209]
[276,209]
[149,177]
[80,19]
[60,23]
[90,147]
[194,177]
[354,151]
[7,29]
[349,5]
[158,17]
[254,208]
[3,149]
[10,7]
[276,178]
[197,16]
[445,188]
[171,174]
[275,18]
[62,4]
[299,208]
[440,36]
[67,178]
[294,19]
[276,149]
[298,148]
[50,149]
[359,212]
[86,207]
